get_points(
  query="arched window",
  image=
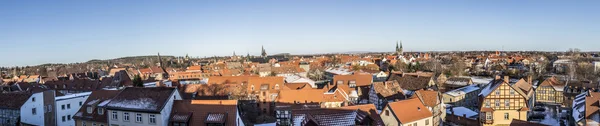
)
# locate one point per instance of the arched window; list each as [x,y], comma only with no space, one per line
[276,86]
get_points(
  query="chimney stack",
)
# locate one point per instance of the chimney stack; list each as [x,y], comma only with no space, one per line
[497,77]
[530,79]
[506,79]
[385,85]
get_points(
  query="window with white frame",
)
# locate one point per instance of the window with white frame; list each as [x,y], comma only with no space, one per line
[497,103]
[352,84]
[115,116]
[101,111]
[125,116]
[89,110]
[488,116]
[506,103]
[152,119]
[138,117]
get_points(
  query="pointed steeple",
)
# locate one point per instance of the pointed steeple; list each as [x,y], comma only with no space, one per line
[233,53]
[263,53]
[397,45]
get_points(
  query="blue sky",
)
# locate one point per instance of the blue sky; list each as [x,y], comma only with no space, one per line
[36,32]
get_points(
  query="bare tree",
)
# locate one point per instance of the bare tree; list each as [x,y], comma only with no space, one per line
[584,71]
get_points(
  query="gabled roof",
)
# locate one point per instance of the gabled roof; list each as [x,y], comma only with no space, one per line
[14,100]
[592,104]
[388,89]
[330,117]
[265,82]
[98,98]
[359,79]
[306,95]
[409,110]
[367,108]
[552,81]
[494,84]
[142,99]
[429,98]
[523,86]
[411,81]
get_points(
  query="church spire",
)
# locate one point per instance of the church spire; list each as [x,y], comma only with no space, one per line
[399,48]
[263,53]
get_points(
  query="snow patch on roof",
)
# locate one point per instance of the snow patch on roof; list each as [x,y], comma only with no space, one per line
[463,90]
[460,111]
[103,103]
[84,94]
[339,71]
[481,80]
[142,103]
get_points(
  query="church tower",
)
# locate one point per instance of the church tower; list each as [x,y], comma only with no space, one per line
[399,48]
[263,53]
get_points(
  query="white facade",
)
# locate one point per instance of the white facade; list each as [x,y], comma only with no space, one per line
[119,117]
[238,119]
[32,111]
[120,120]
[67,106]
[422,122]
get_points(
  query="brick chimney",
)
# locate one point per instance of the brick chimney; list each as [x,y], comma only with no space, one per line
[506,79]
[498,77]
[385,85]
[530,79]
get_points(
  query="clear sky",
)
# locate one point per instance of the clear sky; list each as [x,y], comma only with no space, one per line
[43,31]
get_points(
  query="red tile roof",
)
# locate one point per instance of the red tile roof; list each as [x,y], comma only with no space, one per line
[359,79]
[413,106]
[205,111]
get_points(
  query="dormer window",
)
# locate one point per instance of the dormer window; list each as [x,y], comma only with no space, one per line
[101,111]
[89,109]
